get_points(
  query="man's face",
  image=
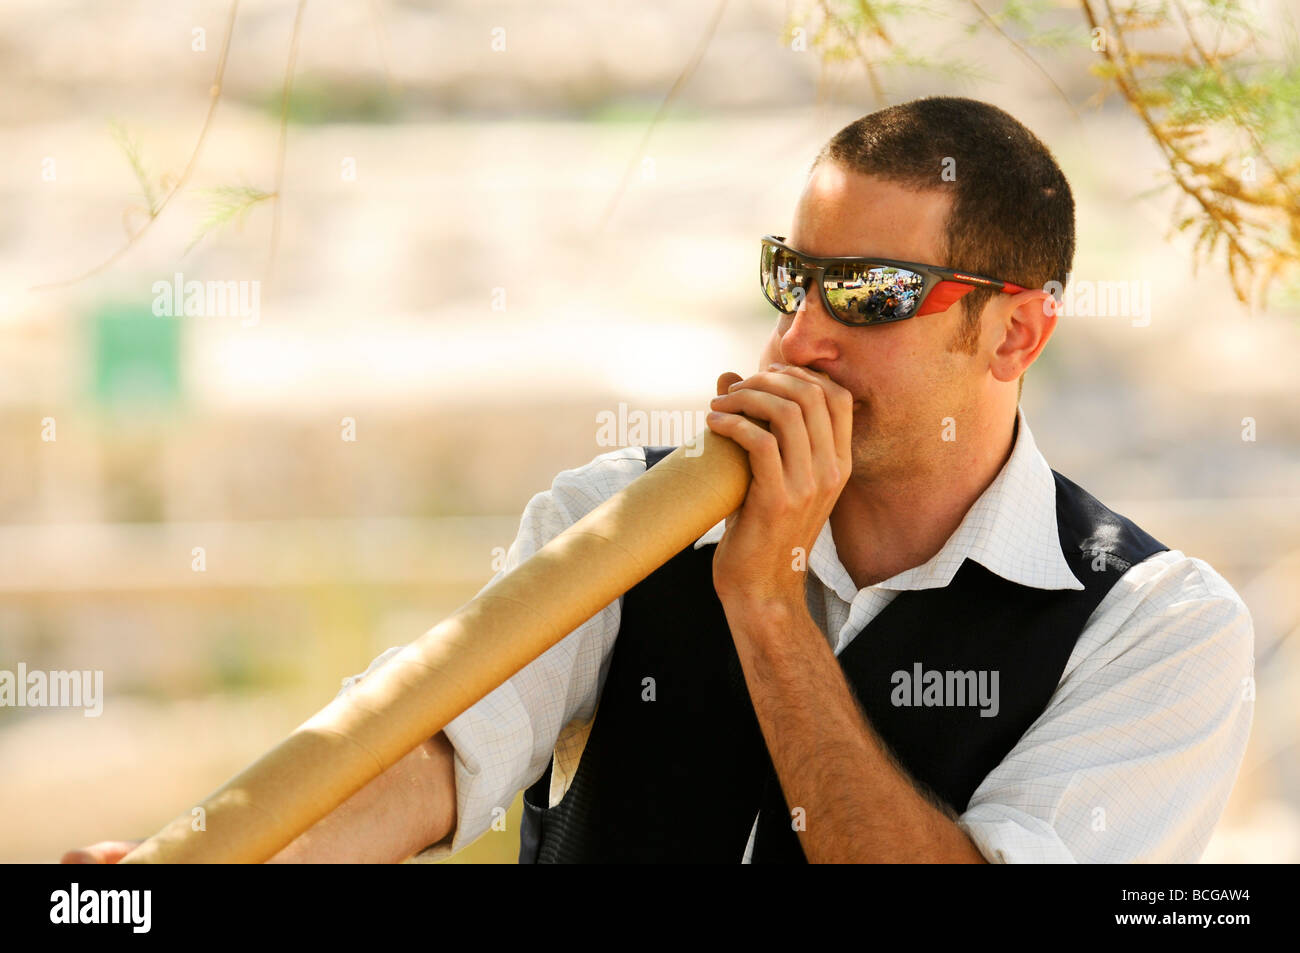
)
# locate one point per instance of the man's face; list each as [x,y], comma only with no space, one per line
[905,376]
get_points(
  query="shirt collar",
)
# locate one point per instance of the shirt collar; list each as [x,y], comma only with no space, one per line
[1010,530]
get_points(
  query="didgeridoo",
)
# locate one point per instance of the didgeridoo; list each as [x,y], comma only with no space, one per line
[357,736]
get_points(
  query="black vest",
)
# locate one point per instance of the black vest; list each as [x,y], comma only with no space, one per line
[680,778]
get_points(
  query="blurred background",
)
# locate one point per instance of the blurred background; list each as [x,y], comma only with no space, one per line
[472,229]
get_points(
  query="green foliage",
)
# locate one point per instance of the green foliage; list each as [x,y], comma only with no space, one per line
[148,191]
[1229,13]
[1275,95]
[319,101]
[956,69]
[227,203]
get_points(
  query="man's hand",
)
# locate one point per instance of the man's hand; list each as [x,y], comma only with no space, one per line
[800,465]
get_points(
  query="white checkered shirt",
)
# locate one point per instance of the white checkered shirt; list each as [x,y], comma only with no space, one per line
[1131,761]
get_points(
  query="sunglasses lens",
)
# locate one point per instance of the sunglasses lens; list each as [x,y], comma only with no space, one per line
[784,281]
[861,295]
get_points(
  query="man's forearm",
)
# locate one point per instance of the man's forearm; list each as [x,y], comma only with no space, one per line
[402,811]
[858,805]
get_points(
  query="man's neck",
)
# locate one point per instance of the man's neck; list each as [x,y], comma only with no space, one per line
[882,530]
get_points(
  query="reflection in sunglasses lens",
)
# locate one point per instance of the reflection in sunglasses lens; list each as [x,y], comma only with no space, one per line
[865,295]
[784,280]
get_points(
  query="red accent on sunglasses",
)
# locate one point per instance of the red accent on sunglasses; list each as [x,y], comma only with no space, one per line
[943,296]
[947,293]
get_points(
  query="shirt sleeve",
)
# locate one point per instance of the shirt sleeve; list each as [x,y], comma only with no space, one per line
[1137,751]
[504,742]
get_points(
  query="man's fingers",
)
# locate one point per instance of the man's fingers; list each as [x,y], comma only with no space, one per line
[839,406]
[827,408]
[105,852]
[786,418]
[764,455]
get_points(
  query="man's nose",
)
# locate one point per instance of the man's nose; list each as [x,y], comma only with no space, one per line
[813,334]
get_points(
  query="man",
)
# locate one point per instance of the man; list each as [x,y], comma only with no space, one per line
[914,641]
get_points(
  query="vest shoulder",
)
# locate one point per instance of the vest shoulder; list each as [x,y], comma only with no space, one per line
[654,454]
[1089,528]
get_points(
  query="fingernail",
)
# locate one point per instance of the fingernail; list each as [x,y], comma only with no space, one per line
[714,415]
[776,367]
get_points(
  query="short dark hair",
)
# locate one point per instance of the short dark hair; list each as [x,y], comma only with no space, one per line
[1012,214]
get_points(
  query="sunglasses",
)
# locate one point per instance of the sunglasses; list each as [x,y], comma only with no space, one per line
[864,291]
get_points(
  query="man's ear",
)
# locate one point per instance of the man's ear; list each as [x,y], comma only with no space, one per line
[1027,326]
